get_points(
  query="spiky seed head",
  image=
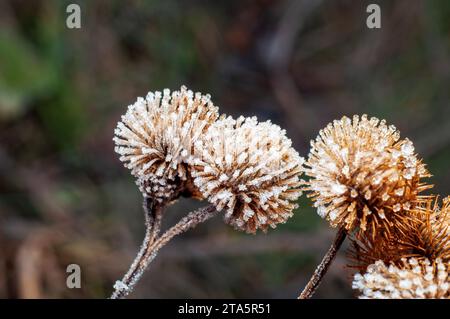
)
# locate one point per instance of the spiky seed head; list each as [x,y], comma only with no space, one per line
[155,137]
[412,279]
[425,232]
[362,173]
[250,169]
[365,249]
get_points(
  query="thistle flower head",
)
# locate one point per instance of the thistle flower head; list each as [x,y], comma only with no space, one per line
[362,173]
[412,279]
[250,170]
[154,138]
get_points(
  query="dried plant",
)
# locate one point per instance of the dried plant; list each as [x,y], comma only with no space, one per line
[362,177]
[176,145]
[250,170]
[152,244]
[367,249]
[155,139]
[362,173]
[413,278]
[423,238]
[424,234]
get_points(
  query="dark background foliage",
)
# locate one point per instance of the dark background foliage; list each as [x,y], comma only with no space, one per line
[64,196]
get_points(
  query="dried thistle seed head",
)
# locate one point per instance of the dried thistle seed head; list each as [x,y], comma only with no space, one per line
[413,279]
[366,249]
[155,137]
[249,169]
[425,233]
[362,173]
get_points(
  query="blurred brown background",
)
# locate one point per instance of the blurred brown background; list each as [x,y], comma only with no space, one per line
[64,196]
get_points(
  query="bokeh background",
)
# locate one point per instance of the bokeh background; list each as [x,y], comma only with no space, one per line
[64,196]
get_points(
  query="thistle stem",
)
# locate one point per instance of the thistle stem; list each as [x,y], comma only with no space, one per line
[190,221]
[322,268]
[153,216]
[153,213]
[153,243]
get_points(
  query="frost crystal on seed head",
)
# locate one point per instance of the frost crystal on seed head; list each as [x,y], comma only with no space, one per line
[249,169]
[361,172]
[154,138]
[412,279]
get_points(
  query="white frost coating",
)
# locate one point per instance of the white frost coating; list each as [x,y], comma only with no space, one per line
[154,138]
[119,285]
[407,148]
[353,163]
[250,169]
[412,279]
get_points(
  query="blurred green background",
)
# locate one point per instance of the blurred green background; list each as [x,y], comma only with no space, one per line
[64,196]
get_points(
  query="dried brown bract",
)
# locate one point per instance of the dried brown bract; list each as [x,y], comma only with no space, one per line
[424,233]
[417,252]
[366,249]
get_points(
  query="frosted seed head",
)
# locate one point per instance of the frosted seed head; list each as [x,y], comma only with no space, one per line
[257,164]
[400,281]
[362,158]
[155,137]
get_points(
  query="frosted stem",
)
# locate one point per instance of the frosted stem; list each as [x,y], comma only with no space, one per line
[322,268]
[153,216]
[152,244]
[190,221]
[153,213]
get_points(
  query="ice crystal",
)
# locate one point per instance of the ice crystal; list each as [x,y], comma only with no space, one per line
[119,285]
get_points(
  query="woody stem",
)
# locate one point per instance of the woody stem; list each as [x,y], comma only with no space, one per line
[324,265]
[153,213]
[153,243]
